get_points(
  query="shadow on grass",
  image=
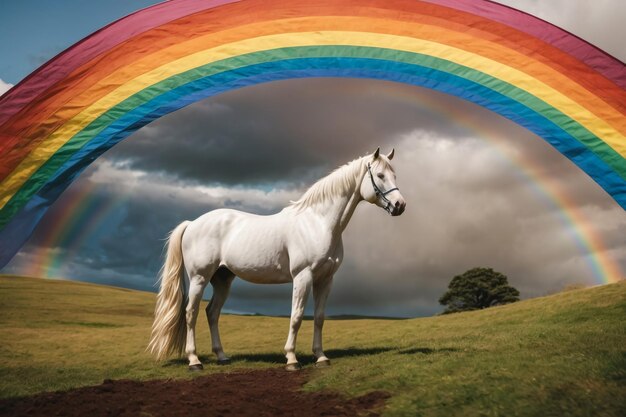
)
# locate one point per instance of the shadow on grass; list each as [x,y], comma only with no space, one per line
[278,358]
[427,351]
[307,359]
[338,317]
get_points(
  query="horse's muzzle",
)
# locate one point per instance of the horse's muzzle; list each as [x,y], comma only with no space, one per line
[397,209]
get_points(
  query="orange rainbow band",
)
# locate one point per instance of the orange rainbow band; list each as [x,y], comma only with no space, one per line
[160,59]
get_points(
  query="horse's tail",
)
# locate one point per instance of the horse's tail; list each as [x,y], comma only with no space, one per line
[169,330]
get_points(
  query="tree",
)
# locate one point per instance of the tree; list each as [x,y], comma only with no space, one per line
[476,289]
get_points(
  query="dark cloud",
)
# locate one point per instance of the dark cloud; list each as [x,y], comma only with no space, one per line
[295,130]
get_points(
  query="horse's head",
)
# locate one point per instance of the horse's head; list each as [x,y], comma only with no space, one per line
[379,184]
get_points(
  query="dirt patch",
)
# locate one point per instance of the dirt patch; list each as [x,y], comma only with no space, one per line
[263,393]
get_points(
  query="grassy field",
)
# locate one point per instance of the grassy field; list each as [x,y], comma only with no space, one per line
[559,355]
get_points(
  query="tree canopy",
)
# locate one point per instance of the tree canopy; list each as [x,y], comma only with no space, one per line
[476,289]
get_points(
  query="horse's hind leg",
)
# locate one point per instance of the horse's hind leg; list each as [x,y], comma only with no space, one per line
[301,287]
[221,282]
[196,288]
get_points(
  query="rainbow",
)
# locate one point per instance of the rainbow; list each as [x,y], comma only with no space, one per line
[602,267]
[84,215]
[155,61]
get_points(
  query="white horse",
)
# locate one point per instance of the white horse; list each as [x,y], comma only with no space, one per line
[301,244]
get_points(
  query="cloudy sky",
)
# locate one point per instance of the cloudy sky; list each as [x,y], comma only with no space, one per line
[466,173]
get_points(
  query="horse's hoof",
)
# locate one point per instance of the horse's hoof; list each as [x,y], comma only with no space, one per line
[293,366]
[322,364]
[222,362]
[195,368]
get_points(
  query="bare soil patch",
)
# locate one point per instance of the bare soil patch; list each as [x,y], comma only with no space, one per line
[258,393]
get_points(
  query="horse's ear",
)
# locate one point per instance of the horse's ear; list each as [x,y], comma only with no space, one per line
[377,153]
[390,156]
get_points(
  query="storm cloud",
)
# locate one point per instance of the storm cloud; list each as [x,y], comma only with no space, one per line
[288,131]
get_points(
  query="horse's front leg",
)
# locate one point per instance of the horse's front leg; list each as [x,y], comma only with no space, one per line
[301,287]
[321,289]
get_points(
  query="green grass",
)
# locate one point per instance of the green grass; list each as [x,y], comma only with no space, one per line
[559,355]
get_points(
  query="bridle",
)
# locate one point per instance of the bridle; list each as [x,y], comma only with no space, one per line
[380,193]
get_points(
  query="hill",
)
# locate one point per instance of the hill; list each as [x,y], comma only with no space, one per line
[563,354]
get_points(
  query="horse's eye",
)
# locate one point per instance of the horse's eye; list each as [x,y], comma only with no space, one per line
[380,175]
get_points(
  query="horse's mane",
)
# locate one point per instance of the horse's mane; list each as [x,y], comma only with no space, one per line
[335,184]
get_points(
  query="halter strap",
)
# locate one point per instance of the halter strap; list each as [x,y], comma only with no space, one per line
[380,193]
